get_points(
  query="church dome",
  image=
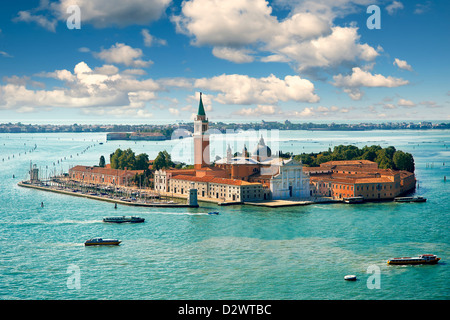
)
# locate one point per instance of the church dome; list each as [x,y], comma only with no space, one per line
[261,151]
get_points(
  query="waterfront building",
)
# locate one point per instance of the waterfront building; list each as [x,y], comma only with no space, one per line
[342,179]
[217,188]
[104,176]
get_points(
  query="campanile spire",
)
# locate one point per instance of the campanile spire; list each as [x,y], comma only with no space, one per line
[201,138]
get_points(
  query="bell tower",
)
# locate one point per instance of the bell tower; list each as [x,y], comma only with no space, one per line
[201,138]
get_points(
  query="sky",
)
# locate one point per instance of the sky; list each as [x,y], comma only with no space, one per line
[146,61]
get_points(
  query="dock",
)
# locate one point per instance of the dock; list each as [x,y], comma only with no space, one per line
[278,203]
[107,199]
[171,204]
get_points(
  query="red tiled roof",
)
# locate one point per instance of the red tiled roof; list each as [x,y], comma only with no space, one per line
[348,162]
[105,171]
[212,179]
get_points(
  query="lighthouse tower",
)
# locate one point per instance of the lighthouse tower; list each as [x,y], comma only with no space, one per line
[201,138]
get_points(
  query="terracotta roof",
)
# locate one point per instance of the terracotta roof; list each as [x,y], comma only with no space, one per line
[212,179]
[348,162]
[341,178]
[106,171]
[373,180]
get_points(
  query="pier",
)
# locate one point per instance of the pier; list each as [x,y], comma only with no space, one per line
[103,197]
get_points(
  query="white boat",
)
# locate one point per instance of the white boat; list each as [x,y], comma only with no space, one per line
[422,259]
[410,199]
[354,200]
[123,219]
[350,277]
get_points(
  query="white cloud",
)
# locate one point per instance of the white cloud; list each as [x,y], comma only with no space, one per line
[107,13]
[360,78]
[123,54]
[5,54]
[103,90]
[234,55]
[41,20]
[150,40]
[393,7]
[229,23]
[328,51]
[402,64]
[174,112]
[305,113]
[242,89]
[258,111]
[238,28]
[406,103]
[422,7]
[100,13]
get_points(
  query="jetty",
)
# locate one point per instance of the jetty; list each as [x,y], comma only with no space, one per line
[123,201]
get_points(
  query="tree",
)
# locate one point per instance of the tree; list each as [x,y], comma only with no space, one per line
[383,160]
[102,163]
[142,161]
[122,159]
[114,158]
[369,155]
[403,161]
[163,160]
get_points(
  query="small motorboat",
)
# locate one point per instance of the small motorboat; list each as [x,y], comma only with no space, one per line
[102,242]
[214,212]
[123,219]
[352,200]
[350,277]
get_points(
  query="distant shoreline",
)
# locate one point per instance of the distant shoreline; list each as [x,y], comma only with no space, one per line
[166,130]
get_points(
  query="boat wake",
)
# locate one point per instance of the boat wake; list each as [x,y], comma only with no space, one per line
[185,213]
[55,222]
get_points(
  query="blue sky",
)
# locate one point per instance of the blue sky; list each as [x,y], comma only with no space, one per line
[141,61]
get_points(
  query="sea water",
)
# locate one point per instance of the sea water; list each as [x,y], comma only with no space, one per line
[245,252]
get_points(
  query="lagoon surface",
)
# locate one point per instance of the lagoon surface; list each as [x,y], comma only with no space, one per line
[245,252]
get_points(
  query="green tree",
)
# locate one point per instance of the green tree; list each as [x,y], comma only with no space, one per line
[142,161]
[122,159]
[403,161]
[383,160]
[102,163]
[369,155]
[163,160]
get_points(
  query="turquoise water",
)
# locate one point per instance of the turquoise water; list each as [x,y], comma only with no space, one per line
[244,253]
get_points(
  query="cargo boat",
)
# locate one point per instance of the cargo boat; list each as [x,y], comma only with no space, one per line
[422,259]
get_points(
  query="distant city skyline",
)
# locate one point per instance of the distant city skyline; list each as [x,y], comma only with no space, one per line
[147,61]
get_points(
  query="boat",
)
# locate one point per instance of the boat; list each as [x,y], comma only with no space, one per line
[123,219]
[214,212]
[354,200]
[422,259]
[102,242]
[410,199]
[350,277]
